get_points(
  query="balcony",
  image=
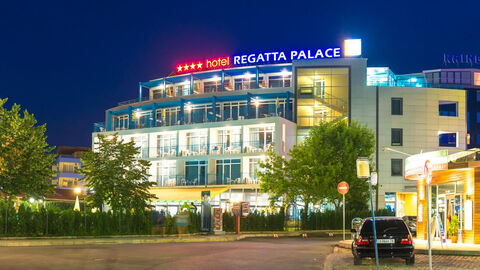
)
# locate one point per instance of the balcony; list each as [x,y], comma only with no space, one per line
[213,179]
[208,149]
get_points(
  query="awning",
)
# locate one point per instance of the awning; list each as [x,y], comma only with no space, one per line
[176,195]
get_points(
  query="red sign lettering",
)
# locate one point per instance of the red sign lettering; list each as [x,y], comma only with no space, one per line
[206,64]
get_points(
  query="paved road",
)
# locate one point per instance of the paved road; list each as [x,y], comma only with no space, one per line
[343,259]
[285,253]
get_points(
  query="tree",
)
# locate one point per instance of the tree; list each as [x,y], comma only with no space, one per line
[26,160]
[289,180]
[116,176]
[336,145]
[316,166]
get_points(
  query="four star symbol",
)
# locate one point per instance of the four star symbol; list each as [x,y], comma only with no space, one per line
[192,66]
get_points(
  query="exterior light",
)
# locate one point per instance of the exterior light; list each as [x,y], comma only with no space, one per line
[284,72]
[40,201]
[189,107]
[363,168]
[256,102]
[216,78]
[353,47]
[138,114]
[77,190]
[31,200]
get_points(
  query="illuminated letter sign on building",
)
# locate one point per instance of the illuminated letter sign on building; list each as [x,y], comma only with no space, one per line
[352,47]
[274,57]
[220,62]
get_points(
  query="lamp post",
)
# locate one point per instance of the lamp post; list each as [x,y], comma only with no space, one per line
[363,171]
[77,192]
[428,179]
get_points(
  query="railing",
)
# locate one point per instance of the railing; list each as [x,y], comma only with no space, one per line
[206,180]
[99,127]
[208,149]
[130,101]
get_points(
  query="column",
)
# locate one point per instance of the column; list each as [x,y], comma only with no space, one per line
[223,80]
[164,87]
[182,107]
[249,103]
[131,124]
[109,121]
[213,117]
[287,107]
[256,77]
[154,115]
[139,91]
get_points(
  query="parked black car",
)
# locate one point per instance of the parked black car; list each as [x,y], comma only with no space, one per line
[393,240]
[411,222]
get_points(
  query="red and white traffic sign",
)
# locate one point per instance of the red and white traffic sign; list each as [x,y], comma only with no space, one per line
[342,187]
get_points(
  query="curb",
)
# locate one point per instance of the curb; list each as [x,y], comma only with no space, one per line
[144,239]
[347,244]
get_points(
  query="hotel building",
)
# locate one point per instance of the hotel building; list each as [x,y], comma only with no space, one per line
[206,127]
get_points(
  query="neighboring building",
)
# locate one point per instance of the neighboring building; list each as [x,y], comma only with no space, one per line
[207,130]
[68,160]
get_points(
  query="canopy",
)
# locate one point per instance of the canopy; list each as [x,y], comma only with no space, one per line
[175,195]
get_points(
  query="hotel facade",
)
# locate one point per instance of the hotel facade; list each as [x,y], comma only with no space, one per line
[206,127]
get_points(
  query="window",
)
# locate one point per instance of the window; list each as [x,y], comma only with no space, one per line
[228,172]
[252,167]
[447,139]
[476,78]
[68,167]
[322,95]
[478,117]
[448,108]
[279,81]
[121,122]
[142,143]
[166,173]
[397,137]
[196,173]
[261,137]
[196,143]
[397,106]
[166,145]
[228,141]
[397,167]
[478,95]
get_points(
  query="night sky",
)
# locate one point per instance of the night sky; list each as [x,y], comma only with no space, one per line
[68,62]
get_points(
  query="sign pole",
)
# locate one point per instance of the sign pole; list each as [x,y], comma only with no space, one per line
[343,206]
[428,177]
[343,188]
[373,222]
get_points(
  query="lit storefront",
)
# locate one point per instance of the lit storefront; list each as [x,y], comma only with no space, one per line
[453,193]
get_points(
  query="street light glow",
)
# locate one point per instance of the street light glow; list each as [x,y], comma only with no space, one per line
[77,190]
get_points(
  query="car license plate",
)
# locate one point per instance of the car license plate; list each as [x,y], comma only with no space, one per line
[386,241]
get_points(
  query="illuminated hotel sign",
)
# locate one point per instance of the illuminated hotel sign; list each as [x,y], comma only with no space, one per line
[352,47]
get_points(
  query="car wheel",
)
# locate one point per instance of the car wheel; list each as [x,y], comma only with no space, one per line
[357,260]
[410,261]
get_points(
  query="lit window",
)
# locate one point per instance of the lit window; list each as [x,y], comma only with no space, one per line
[448,108]
[447,139]
[476,78]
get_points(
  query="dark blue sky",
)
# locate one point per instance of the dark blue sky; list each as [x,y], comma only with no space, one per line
[67,63]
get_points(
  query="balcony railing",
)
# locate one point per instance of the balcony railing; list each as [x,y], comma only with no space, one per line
[206,180]
[207,149]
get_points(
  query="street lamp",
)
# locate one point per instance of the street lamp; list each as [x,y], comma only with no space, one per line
[78,191]
[363,171]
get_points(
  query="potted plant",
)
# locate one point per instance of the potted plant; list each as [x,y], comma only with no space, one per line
[453,227]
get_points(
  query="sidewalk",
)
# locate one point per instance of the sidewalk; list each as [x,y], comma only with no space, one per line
[437,249]
[144,239]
